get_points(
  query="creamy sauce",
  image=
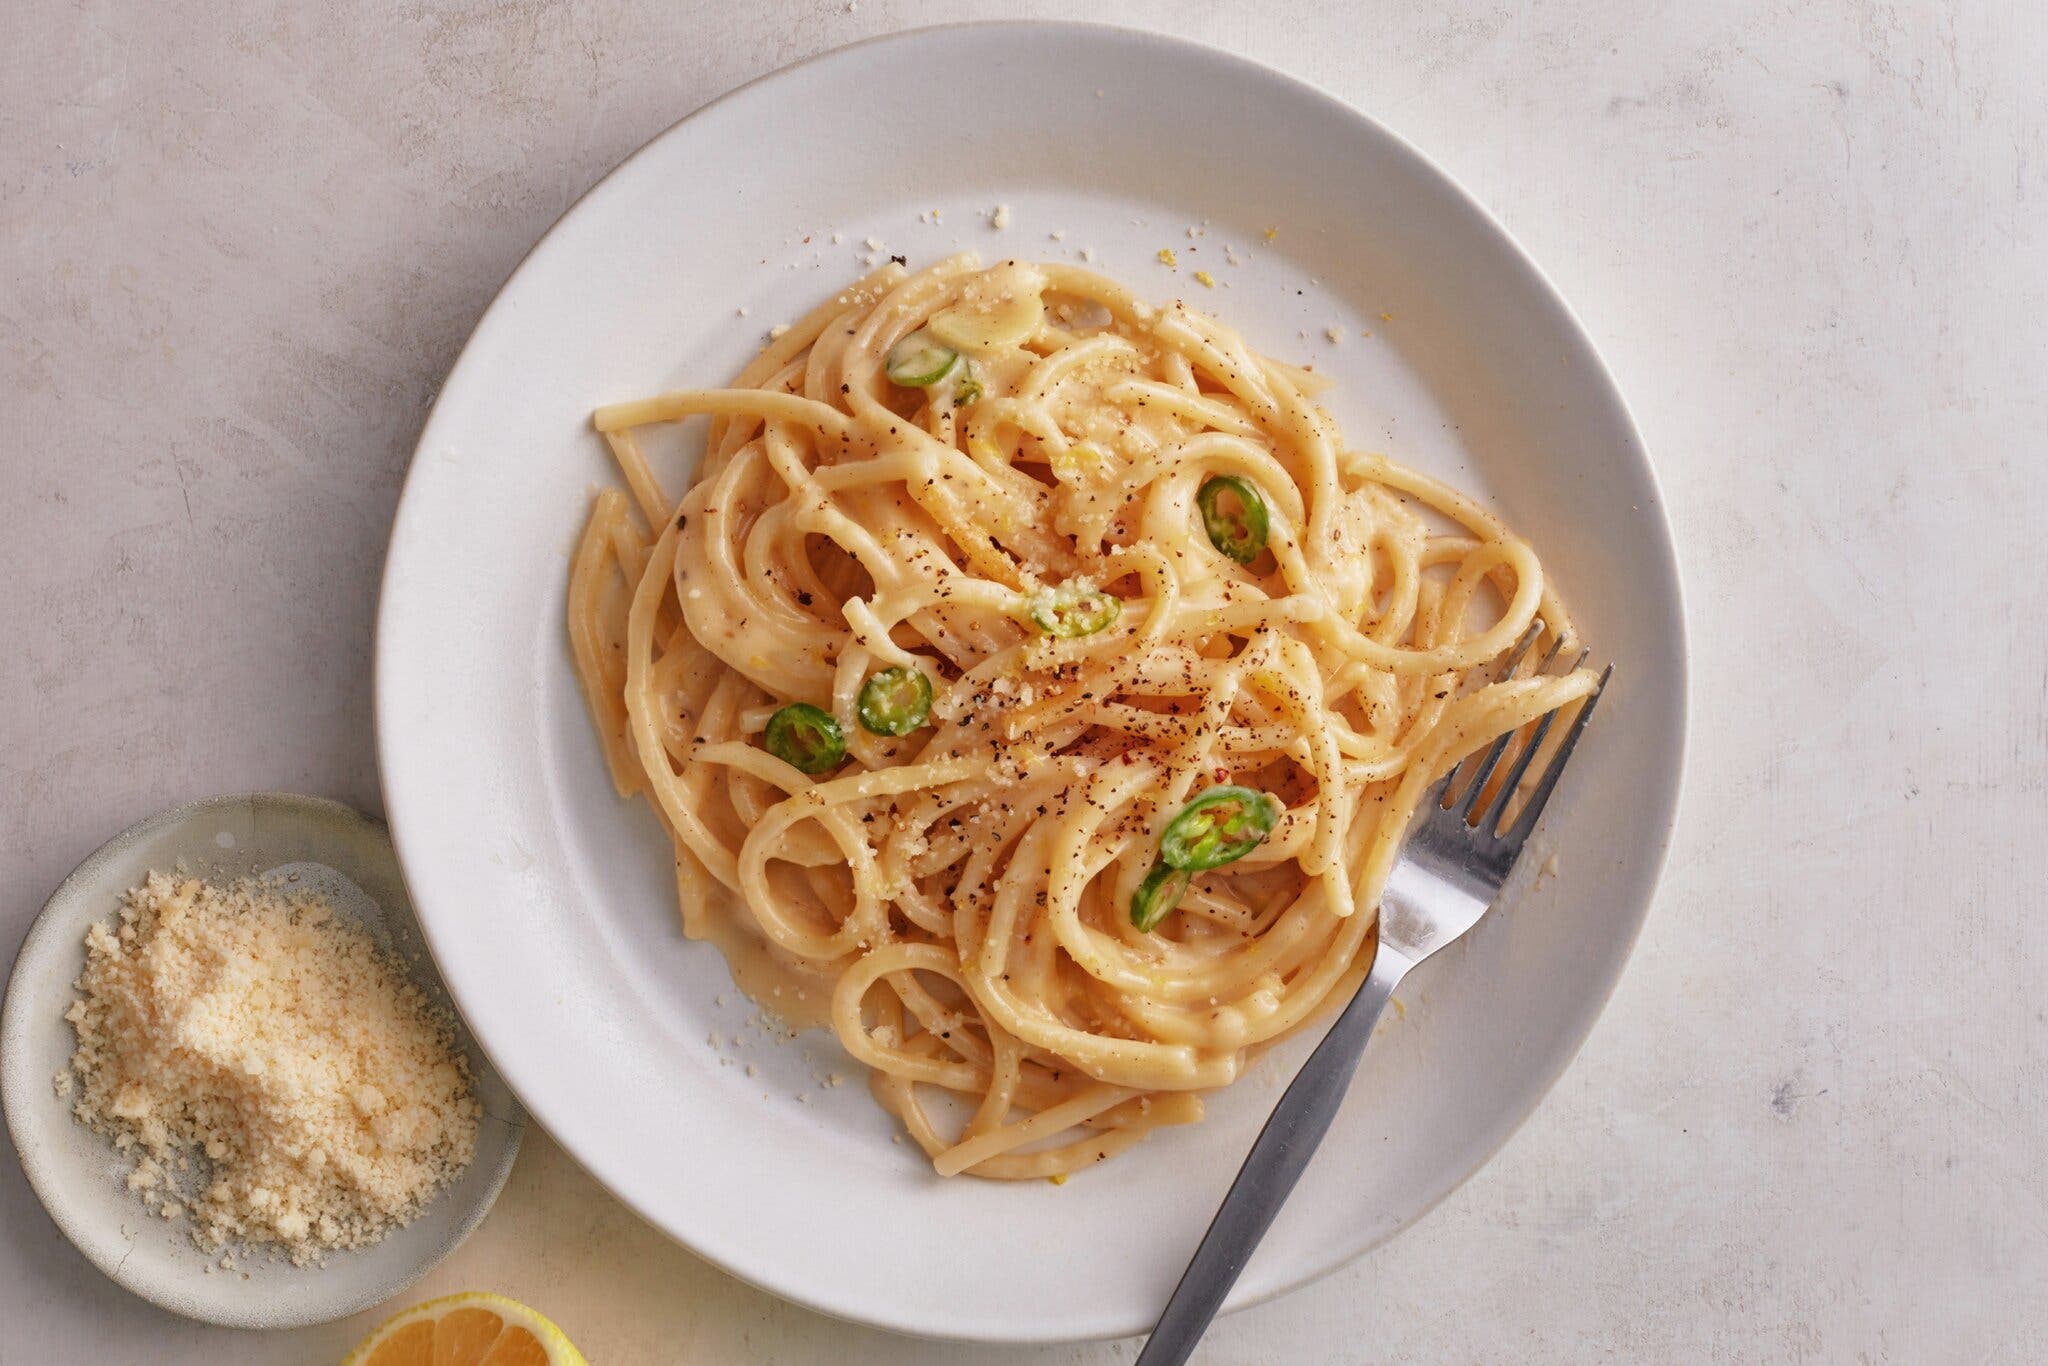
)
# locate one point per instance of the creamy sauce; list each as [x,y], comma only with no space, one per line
[783,987]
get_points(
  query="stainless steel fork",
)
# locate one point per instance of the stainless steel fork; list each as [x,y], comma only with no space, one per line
[1457,856]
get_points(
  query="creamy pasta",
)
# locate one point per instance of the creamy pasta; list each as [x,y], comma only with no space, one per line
[1032,678]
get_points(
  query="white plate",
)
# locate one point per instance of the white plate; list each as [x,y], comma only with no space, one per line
[548,902]
[77,1174]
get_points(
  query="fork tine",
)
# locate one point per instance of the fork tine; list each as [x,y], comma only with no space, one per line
[1526,822]
[1463,806]
[1514,659]
[1507,668]
[1500,747]
[1513,781]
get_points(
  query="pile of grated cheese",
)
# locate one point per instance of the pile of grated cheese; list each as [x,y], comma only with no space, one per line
[272,1072]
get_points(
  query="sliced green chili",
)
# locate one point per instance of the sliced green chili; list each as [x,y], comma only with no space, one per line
[1218,827]
[1070,610]
[966,388]
[920,360]
[895,701]
[1158,894]
[806,738]
[1238,531]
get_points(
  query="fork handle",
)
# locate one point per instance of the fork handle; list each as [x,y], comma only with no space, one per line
[1276,1162]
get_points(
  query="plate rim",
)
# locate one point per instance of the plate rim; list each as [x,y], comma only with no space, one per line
[17,1085]
[1655,858]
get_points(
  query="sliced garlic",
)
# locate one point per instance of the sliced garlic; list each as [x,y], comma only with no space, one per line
[1000,308]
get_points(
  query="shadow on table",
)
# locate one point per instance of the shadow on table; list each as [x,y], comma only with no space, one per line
[627,1294]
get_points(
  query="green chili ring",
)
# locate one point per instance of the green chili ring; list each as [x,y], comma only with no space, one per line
[1241,534]
[1158,894]
[1220,826]
[1068,612]
[806,738]
[920,360]
[895,701]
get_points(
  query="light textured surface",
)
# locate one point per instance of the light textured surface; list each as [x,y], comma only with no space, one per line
[243,242]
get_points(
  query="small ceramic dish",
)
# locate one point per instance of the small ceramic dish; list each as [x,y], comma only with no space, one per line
[78,1175]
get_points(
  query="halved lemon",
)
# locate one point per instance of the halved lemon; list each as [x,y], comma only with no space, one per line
[471,1329]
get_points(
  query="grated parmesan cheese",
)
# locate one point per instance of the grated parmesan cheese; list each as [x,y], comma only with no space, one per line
[271,1072]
